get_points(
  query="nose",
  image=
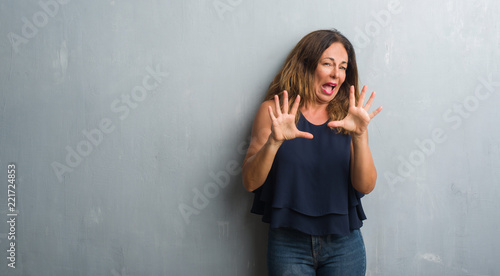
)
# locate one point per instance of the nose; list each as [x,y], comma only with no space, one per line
[334,73]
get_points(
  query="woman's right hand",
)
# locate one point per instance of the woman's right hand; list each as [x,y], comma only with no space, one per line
[283,123]
[268,133]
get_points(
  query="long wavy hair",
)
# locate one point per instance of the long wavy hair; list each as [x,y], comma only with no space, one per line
[297,74]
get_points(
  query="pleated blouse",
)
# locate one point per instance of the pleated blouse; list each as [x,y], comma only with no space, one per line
[309,188]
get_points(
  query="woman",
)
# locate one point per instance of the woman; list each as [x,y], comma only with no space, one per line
[309,162]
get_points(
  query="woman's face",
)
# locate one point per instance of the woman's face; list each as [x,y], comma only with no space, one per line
[330,72]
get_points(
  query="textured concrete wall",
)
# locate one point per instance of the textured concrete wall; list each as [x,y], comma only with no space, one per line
[127,122]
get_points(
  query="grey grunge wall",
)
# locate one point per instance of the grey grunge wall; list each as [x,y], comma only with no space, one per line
[124,124]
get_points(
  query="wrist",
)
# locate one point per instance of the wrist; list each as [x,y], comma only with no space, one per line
[359,138]
[271,141]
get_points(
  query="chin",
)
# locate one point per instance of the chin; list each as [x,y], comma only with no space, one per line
[325,98]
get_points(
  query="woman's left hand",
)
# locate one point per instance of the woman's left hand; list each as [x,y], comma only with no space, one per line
[357,119]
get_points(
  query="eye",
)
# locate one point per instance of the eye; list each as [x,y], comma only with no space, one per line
[327,64]
[343,67]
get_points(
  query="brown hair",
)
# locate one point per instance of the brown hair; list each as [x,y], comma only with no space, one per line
[297,74]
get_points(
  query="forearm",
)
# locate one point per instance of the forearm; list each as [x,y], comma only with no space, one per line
[257,167]
[363,172]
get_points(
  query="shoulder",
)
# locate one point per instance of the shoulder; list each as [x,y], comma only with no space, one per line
[263,112]
[266,104]
[262,118]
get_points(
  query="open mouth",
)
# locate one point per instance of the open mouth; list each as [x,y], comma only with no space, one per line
[328,88]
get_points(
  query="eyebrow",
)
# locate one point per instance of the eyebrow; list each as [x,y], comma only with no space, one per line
[332,59]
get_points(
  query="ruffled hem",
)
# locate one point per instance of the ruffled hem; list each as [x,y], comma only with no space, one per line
[322,224]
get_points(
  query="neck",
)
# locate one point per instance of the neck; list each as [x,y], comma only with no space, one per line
[315,112]
[314,107]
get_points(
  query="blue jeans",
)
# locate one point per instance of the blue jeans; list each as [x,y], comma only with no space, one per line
[291,252]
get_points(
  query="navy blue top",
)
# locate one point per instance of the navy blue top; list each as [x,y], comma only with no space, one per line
[309,188]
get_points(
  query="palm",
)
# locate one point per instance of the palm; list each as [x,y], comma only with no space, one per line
[358,118]
[283,123]
[284,127]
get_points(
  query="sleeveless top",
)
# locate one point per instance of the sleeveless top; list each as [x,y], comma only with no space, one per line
[309,188]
